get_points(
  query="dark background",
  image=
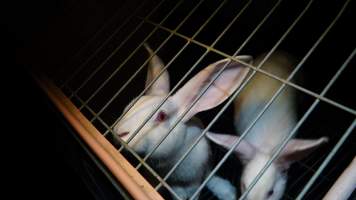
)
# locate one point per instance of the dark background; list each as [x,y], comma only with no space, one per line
[47,34]
[42,34]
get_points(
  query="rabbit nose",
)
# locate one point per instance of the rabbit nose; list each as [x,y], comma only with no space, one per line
[123,134]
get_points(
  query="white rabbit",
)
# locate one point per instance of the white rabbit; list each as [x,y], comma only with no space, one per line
[192,171]
[269,131]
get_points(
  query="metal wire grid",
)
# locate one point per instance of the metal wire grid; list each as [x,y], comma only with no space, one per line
[210,48]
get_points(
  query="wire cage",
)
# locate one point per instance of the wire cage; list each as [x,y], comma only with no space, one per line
[108,72]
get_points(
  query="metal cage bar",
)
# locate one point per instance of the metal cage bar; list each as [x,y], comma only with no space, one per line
[90,134]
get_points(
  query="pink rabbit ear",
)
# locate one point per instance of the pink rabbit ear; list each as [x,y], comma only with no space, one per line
[297,149]
[155,66]
[244,150]
[222,87]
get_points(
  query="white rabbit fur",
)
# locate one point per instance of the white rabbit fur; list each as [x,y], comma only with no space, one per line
[192,171]
[269,131]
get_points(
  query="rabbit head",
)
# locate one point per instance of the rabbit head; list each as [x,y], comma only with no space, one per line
[272,183]
[164,118]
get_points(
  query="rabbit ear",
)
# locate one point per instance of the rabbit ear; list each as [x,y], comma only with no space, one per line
[221,88]
[297,149]
[155,66]
[245,151]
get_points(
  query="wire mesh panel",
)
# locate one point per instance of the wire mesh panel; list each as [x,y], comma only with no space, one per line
[188,36]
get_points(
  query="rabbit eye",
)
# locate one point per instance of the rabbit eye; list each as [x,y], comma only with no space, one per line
[123,134]
[270,193]
[161,116]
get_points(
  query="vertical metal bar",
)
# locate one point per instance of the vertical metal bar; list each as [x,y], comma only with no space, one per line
[81,66]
